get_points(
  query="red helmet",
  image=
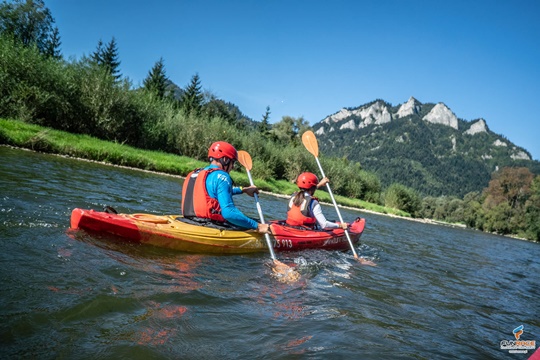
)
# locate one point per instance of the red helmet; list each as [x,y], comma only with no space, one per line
[221,149]
[307,180]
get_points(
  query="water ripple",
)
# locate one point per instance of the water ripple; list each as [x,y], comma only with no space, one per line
[437,292]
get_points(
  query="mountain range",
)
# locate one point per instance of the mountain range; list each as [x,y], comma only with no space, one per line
[422,146]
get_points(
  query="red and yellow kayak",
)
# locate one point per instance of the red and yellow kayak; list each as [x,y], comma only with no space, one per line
[174,232]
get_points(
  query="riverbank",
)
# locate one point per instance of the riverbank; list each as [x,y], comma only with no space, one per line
[41,139]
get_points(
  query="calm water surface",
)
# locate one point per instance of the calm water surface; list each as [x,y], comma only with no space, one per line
[437,292]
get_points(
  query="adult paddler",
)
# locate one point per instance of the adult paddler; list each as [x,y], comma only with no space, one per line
[207,192]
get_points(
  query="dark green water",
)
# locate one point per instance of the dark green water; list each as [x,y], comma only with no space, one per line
[438,292]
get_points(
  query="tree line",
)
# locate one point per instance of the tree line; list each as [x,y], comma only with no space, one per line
[91,96]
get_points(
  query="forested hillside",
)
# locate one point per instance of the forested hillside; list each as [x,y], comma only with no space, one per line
[445,158]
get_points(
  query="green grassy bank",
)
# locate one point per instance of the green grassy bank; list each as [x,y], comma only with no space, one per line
[42,139]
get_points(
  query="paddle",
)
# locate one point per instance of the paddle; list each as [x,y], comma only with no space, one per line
[287,273]
[310,142]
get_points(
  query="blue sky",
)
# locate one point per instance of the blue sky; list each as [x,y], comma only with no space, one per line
[311,58]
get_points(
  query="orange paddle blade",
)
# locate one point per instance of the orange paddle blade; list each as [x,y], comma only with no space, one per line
[245,159]
[310,142]
[366,262]
[285,273]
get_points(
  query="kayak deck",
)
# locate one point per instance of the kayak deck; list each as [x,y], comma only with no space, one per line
[174,232]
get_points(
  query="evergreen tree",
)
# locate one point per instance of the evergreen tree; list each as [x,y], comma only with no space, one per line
[97,56]
[53,46]
[110,59]
[156,81]
[30,22]
[107,56]
[192,98]
[264,126]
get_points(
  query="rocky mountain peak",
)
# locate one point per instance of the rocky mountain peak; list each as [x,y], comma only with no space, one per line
[376,114]
[520,155]
[412,106]
[441,114]
[477,127]
[340,115]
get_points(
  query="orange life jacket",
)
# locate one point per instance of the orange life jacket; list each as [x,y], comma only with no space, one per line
[300,215]
[195,199]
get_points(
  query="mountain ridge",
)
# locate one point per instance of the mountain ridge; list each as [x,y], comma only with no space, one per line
[421,145]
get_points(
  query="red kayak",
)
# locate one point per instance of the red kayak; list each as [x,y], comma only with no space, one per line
[288,237]
[176,232]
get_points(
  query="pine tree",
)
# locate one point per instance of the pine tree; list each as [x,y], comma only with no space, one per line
[192,98]
[97,56]
[264,126]
[156,81]
[53,45]
[107,56]
[110,59]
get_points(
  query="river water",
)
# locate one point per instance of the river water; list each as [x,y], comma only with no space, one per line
[437,292]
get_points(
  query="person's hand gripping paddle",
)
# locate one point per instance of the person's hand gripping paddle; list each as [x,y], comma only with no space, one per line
[284,272]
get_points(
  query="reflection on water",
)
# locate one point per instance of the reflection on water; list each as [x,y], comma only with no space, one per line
[70,294]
